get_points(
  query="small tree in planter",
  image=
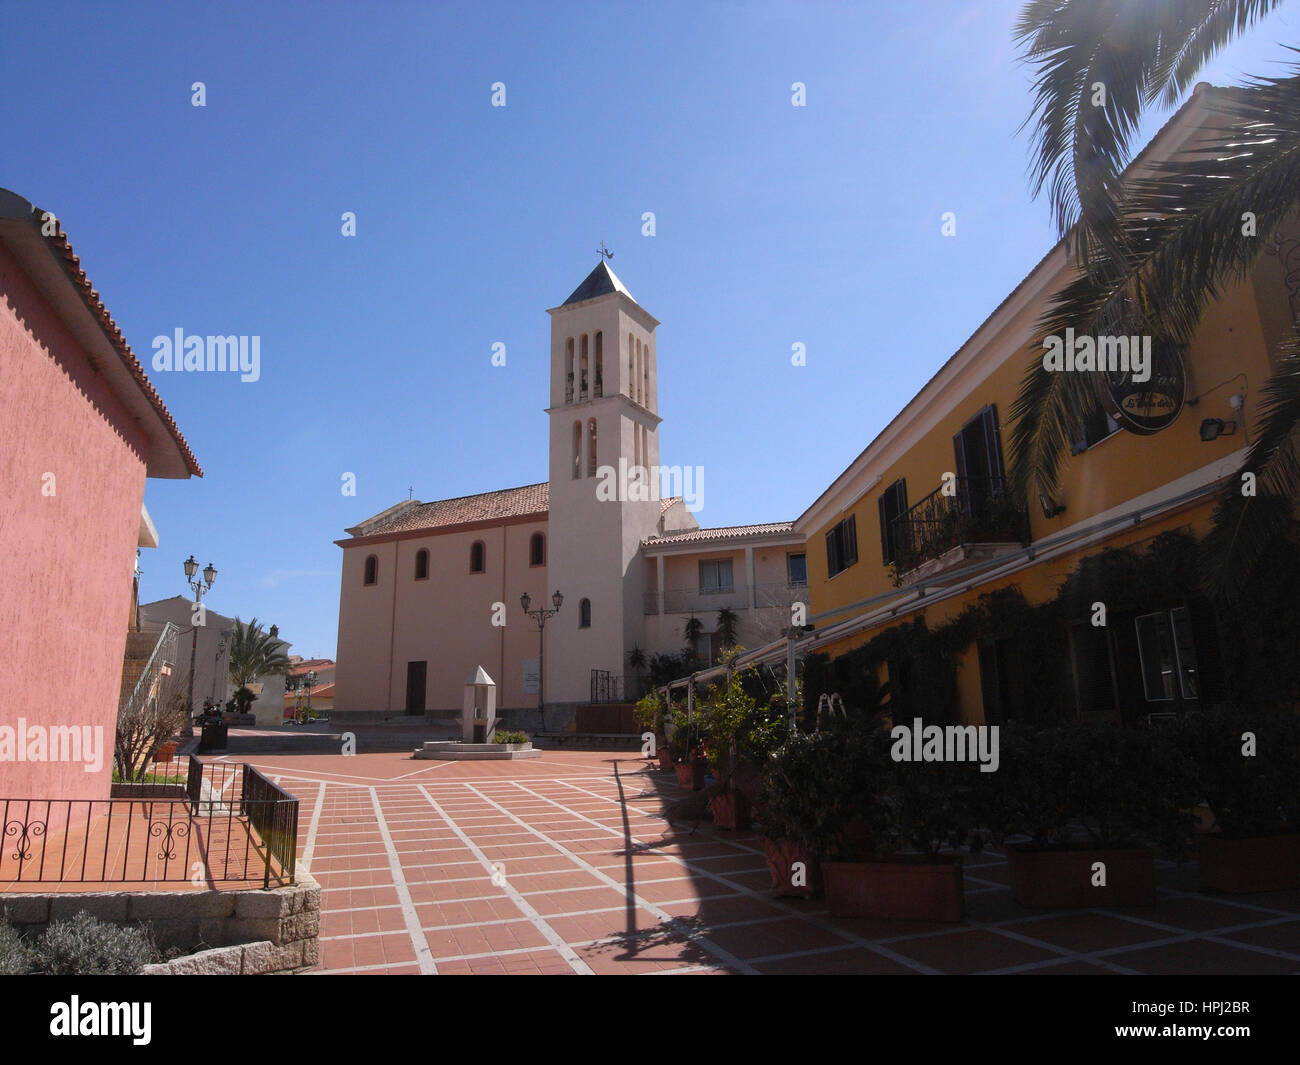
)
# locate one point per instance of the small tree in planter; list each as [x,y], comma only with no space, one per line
[684,743]
[1245,766]
[806,804]
[650,711]
[740,733]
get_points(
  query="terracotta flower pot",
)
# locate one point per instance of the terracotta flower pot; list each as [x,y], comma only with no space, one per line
[665,756]
[897,889]
[165,753]
[1244,866]
[699,771]
[1062,877]
[685,775]
[795,872]
[730,811]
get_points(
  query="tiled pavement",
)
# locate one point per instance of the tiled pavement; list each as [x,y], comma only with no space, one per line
[559,865]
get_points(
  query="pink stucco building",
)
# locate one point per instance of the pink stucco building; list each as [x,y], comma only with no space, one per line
[80,430]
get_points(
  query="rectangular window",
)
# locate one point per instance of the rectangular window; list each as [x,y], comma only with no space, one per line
[1094,669]
[797,569]
[842,546]
[715,576]
[892,504]
[1168,656]
[1095,428]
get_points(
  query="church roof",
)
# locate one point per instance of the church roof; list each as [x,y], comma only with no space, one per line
[600,282]
[530,500]
[520,502]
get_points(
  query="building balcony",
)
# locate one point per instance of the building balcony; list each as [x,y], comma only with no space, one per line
[704,601]
[980,519]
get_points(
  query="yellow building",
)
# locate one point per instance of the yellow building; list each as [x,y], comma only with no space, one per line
[921,525]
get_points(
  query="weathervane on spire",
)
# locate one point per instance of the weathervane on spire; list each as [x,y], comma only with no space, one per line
[605,253]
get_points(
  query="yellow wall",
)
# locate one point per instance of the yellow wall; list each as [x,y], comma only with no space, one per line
[1229,354]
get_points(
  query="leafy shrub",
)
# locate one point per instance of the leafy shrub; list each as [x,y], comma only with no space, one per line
[650,713]
[82,946]
[507,736]
[85,945]
[1119,787]
[1249,795]
[15,955]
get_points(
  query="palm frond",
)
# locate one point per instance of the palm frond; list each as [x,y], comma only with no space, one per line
[1182,242]
[1246,522]
[1137,50]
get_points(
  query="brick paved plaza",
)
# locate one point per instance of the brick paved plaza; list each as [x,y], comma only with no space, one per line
[561,865]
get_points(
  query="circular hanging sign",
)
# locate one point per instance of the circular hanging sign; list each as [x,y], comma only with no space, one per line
[1148,400]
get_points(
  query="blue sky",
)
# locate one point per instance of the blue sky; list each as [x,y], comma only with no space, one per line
[775,225]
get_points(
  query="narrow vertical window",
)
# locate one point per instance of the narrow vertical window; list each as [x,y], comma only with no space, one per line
[637,393]
[537,550]
[582,367]
[584,614]
[568,371]
[598,384]
[577,450]
[477,557]
[631,368]
[591,448]
[372,569]
[422,565]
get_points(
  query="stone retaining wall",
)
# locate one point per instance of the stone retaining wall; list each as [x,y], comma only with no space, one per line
[266,931]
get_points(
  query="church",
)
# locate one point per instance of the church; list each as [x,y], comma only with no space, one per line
[432,591]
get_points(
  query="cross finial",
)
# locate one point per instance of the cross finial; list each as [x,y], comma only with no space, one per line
[410,493]
[605,253]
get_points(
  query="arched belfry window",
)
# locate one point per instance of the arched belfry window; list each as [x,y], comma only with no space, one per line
[537,550]
[584,614]
[637,384]
[577,450]
[645,378]
[372,569]
[631,367]
[591,448]
[582,368]
[477,557]
[422,565]
[598,384]
[568,372]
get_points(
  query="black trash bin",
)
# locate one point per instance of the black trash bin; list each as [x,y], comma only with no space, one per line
[213,737]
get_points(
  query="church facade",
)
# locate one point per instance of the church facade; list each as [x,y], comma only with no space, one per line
[431,591]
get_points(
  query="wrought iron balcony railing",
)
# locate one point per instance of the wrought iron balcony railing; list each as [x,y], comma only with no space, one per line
[981,510]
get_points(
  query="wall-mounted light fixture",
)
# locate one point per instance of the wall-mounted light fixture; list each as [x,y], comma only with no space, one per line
[1213,428]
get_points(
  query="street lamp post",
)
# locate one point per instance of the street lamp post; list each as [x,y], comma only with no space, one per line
[541,615]
[199,587]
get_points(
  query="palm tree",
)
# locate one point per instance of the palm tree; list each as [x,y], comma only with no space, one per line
[728,621]
[254,653]
[1153,252]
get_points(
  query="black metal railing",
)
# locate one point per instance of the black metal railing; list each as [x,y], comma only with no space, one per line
[607,687]
[230,825]
[979,510]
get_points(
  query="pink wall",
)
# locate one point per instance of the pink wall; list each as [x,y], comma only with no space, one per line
[445,621]
[65,585]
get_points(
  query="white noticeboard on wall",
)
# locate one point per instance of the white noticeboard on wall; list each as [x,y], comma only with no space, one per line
[532,676]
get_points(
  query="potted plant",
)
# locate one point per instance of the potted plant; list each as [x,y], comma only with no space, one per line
[803,811]
[650,718]
[1246,765]
[684,744]
[1090,799]
[915,811]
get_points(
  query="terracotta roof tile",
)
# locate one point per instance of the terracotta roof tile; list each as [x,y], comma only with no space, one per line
[486,506]
[722,532]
